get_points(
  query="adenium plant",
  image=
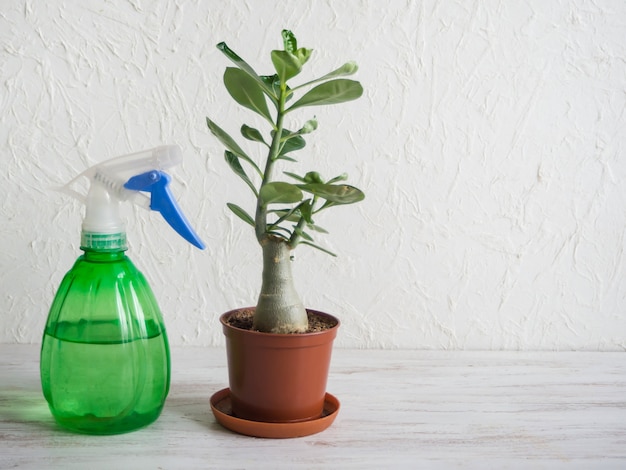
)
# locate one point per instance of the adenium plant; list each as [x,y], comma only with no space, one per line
[284,213]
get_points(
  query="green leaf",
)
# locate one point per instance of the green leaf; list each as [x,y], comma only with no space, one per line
[233,162]
[294,176]
[290,43]
[246,91]
[286,65]
[292,142]
[303,234]
[332,92]
[304,242]
[291,215]
[341,177]
[349,68]
[313,177]
[303,54]
[306,210]
[251,133]
[230,144]
[335,193]
[225,139]
[273,83]
[308,127]
[286,214]
[280,192]
[243,65]
[310,177]
[317,228]
[239,212]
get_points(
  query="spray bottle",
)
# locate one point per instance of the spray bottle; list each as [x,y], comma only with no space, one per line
[105,364]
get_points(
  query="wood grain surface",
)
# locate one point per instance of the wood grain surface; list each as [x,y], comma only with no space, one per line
[399,409]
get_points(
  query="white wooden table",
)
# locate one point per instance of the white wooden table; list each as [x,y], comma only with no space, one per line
[399,409]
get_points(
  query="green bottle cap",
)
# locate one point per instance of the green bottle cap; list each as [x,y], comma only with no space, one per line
[90,241]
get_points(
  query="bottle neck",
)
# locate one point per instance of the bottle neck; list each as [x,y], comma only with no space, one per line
[103,256]
[103,242]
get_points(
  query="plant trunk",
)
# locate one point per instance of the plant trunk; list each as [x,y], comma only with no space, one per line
[279,308]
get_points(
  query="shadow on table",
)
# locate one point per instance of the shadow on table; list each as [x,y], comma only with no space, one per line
[26,407]
[193,409]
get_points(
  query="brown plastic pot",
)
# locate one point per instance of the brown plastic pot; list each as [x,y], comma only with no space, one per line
[276,377]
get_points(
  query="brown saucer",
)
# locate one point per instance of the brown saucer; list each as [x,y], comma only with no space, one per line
[221,406]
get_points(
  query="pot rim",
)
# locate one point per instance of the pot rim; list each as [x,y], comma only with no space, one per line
[331,330]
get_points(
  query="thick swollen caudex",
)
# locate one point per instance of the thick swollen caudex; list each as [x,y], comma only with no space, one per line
[279,309]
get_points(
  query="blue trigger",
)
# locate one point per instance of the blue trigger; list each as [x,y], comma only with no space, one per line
[161,200]
[143,181]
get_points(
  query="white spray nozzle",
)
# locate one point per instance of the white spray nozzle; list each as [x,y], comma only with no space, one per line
[130,177]
[114,173]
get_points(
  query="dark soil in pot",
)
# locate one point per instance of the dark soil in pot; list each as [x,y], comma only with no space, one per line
[243,319]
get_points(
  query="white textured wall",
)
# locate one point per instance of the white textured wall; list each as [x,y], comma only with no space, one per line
[490,142]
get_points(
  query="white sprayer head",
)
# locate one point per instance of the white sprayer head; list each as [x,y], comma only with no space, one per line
[127,178]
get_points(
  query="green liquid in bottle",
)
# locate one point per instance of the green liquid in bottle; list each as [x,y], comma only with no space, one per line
[105,365]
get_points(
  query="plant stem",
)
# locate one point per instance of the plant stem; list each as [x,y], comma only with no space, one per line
[295,236]
[279,308]
[260,220]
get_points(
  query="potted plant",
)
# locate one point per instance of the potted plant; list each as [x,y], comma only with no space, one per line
[279,351]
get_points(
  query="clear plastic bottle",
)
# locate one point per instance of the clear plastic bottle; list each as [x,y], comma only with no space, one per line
[105,363]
